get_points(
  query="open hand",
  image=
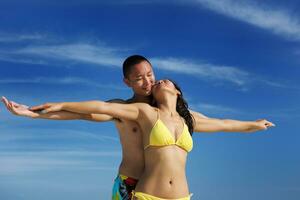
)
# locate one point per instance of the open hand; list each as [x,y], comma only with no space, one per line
[18,109]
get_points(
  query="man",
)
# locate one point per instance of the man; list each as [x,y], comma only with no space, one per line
[138,75]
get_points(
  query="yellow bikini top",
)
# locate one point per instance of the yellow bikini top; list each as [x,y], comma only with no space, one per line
[161,136]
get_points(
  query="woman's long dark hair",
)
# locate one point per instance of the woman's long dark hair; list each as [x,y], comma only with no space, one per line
[183,109]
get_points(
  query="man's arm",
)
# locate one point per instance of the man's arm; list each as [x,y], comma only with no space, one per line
[66,115]
[210,125]
[23,110]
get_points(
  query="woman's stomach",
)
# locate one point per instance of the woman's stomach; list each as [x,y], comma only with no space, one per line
[164,174]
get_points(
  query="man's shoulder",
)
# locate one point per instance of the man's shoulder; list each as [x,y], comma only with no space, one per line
[125,101]
[129,101]
[117,101]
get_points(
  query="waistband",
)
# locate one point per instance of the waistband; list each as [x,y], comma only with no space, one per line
[128,180]
[145,196]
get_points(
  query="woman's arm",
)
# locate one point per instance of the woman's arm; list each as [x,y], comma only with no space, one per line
[116,110]
[227,125]
[197,115]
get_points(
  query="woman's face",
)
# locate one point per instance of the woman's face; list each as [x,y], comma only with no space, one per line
[162,86]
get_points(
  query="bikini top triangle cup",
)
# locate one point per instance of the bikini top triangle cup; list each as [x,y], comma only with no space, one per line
[160,136]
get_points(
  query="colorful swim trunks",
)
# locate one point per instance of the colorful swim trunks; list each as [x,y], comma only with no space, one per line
[123,186]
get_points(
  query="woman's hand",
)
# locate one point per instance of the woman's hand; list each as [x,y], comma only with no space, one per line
[262,124]
[48,107]
[18,109]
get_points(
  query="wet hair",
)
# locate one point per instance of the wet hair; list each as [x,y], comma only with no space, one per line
[183,109]
[130,62]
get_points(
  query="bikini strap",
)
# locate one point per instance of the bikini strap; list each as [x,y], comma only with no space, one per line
[183,121]
[132,194]
[158,116]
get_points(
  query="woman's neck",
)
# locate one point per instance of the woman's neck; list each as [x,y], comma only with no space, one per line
[168,106]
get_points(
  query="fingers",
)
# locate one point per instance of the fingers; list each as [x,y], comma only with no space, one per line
[266,123]
[263,124]
[14,104]
[6,103]
[11,108]
[4,100]
[269,124]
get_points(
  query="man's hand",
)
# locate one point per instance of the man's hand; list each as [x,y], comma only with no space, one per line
[18,109]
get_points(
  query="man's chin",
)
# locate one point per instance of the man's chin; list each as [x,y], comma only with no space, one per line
[147,92]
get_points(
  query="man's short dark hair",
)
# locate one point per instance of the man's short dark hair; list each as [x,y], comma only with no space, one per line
[130,62]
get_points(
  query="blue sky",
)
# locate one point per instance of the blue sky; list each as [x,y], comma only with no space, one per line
[232,59]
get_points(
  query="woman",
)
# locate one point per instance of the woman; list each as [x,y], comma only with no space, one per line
[166,137]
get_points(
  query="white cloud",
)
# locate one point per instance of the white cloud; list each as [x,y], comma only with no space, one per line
[103,55]
[80,52]
[212,109]
[109,57]
[202,70]
[63,80]
[278,85]
[216,73]
[19,153]
[56,153]
[8,135]
[17,59]
[279,21]
[16,162]
[5,37]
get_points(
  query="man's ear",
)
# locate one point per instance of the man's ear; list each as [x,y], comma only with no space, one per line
[127,82]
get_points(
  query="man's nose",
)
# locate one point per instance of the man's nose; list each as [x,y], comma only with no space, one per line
[147,81]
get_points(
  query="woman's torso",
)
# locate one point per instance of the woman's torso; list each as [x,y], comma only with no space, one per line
[164,174]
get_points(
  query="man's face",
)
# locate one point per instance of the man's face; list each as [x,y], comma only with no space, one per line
[141,78]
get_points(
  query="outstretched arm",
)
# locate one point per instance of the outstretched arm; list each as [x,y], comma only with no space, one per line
[116,110]
[197,115]
[227,125]
[23,110]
